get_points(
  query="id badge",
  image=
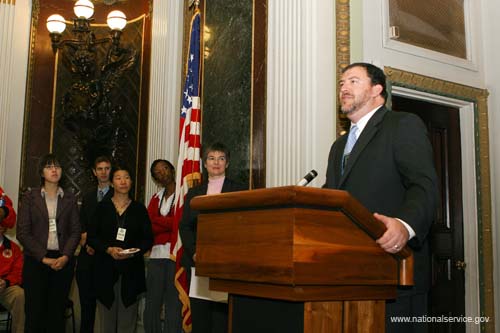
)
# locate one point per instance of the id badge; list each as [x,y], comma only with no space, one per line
[120,235]
[52,225]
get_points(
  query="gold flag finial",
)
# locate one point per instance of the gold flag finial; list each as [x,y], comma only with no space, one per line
[196,3]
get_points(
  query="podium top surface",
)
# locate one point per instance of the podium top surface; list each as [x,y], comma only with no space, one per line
[276,196]
[297,196]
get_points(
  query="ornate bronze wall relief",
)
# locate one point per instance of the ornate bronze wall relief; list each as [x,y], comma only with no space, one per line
[88,100]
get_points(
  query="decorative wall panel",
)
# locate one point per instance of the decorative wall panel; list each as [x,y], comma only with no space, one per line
[227,80]
[234,81]
[97,112]
[434,25]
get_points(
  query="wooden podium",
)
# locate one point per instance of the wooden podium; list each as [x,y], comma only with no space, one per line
[297,259]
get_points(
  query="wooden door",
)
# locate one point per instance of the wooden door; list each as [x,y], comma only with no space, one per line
[447,294]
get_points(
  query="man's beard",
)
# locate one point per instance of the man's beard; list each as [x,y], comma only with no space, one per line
[347,111]
[356,104]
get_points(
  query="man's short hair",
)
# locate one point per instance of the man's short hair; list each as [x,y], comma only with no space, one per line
[376,75]
[101,159]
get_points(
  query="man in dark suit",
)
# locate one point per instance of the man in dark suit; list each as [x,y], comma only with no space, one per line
[385,161]
[85,266]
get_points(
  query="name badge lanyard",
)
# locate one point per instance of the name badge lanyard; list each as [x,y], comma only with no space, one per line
[120,222]
[52,217]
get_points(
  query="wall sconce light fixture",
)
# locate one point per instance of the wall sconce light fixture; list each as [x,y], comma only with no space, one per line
[84,9]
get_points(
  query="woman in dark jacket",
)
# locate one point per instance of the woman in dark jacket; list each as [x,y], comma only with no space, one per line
[120,236]
[207,316]
[49,230]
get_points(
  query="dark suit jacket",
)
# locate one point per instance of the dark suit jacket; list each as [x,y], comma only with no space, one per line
[33,224]
[189,223]
[391,171]
[87,212]
[89,206]
[102,234]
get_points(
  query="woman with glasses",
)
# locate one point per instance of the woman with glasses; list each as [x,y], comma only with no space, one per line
[120,233]
[207,316]
[49,230]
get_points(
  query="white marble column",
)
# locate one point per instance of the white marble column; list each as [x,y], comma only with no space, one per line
[14,49]
[165,84]
[300,89]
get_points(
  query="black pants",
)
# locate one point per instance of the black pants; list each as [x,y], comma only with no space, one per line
[86,291]
[208,316]
[46,293]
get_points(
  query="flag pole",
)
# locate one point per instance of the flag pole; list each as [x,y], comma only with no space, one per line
[188,171]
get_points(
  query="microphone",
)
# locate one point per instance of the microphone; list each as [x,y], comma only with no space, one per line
[307,178]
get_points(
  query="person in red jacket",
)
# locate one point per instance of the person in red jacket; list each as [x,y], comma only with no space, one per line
[7,213]
[160,287]
[11,267]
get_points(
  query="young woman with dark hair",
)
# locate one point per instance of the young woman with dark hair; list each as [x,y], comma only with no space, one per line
[120,235]
[49,230]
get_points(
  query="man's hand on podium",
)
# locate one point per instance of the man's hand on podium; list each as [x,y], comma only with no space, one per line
[395,237]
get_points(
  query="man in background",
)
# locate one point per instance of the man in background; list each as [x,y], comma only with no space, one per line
[85,266]
[386,162]
[11,267]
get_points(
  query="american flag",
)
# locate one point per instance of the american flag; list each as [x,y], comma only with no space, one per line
[188,164]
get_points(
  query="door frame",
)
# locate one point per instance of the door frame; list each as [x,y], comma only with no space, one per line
[478,253]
